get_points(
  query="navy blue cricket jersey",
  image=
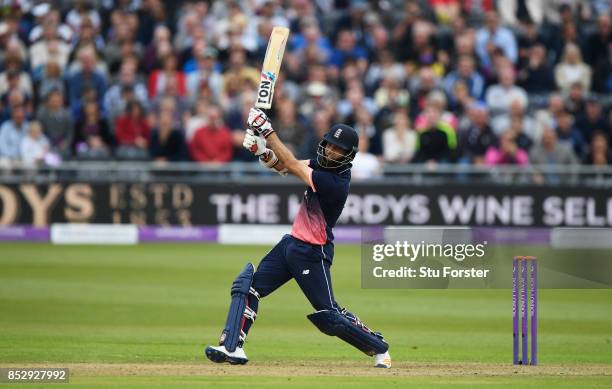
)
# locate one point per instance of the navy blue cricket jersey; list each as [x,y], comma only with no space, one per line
[322,205]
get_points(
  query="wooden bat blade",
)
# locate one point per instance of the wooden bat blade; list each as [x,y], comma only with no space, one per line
[271,66]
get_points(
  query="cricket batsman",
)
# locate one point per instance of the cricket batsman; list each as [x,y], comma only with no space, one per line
[307,253]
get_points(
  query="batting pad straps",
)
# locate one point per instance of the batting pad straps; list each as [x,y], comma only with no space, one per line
[254,293]
[249,313]
[349,329]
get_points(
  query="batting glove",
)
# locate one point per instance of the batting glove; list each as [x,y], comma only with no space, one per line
[258,122]
[254,143]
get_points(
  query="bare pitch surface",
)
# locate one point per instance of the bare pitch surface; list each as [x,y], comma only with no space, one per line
[330,369]
[322,374]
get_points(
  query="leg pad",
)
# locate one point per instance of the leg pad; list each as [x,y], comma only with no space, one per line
[349,328]
[243,309]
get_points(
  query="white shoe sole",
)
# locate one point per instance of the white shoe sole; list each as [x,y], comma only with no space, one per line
[221,357]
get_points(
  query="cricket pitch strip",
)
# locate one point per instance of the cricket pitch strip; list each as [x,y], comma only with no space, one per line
[326,368]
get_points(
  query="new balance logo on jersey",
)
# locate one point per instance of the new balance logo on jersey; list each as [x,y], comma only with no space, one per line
[307,271]
[337,133]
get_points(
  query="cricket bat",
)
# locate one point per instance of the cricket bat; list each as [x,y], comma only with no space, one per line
[271,66]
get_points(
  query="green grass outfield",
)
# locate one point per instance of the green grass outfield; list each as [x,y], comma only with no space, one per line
[139,316]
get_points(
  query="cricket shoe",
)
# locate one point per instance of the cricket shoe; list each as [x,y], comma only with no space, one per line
[382,360]
[219,354]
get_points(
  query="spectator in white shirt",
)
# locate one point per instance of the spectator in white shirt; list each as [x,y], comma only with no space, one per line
[49,48]
[12,132]
[34,146]
[572,69]
[516,112]
[399,141]
[83,9]
[365,165]
[500,96]
[53,17]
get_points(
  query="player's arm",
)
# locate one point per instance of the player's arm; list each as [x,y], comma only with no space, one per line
[279,166]
[259,122]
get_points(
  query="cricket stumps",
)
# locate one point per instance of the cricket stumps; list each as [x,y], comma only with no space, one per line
[524,309]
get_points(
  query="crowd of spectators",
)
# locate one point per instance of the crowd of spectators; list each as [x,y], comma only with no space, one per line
[429,81]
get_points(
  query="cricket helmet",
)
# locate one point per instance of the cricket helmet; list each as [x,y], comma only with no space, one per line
[342,136]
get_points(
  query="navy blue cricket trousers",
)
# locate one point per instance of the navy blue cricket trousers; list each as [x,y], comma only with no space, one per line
[309,264]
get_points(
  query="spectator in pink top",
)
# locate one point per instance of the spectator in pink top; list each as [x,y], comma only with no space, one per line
[507,153]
